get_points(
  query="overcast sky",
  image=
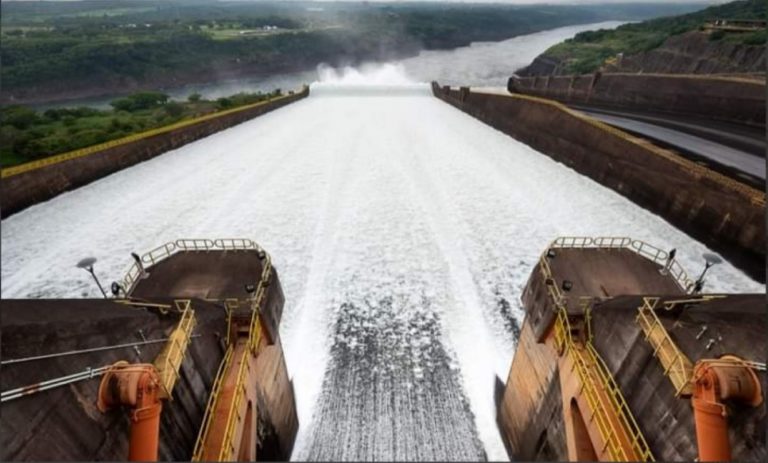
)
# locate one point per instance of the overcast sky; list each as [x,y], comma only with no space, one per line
[466,1]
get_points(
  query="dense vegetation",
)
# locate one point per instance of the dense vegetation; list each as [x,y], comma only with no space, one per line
[26,134]
[587,51]
[54,50]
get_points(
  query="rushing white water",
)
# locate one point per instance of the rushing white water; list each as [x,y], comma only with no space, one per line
[403,231]
[481,64]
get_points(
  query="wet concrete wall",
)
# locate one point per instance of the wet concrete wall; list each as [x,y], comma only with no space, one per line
[64,423]
[530,416]
[730,99]
[736,324]
[726,215]
[30,187]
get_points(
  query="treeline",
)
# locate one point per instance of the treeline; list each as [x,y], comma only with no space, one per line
[27,134]
[587,51]
[76,49]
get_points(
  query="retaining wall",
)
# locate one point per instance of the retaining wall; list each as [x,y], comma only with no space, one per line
[732,99]
[726,215]
[38,181]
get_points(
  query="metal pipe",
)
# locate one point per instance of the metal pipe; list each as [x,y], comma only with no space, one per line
[52,383]
[715,381]
[711,430]
[84,351]
[136,386]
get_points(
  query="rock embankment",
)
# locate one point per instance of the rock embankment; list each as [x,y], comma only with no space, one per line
[695,53]
[690,53]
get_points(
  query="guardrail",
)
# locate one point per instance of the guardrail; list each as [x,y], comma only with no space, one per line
[10,171]
[164,251]
[168,363]
[639,247]
[594,377]
[227,448]
[677,366]
[213,402]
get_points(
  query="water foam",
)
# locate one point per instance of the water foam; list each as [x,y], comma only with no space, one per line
[388,79]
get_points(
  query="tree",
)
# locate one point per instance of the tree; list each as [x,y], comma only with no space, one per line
[19,116]
[194,98]
[139,101]
[174,109]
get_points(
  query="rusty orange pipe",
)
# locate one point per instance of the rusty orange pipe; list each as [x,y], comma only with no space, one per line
[136,386]
[145,420]
[715,381]
[711,431]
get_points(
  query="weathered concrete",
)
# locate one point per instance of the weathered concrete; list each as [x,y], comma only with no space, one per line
[599,273]
[738,326]
[25,189]
[530,414]
[223,276]
[64,423]
[531,417]
[726,215]
[731,99]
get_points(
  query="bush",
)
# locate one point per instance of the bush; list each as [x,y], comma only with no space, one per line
[139,101]
[716,35]
[20,117]
[174,109]
[224,103]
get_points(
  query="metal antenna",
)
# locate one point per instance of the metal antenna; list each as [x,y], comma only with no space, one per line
[87,265]
[709,261]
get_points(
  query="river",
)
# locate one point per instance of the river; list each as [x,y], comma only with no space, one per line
[486,64]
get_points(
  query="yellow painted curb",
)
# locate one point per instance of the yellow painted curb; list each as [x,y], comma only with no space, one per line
[55,159]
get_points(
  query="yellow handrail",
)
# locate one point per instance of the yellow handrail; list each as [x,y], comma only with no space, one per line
[170,248]
[254,338]
[639,247]
[29,166]
[677,366]
[171,357]
[586,360]
[213,402]
[227,446]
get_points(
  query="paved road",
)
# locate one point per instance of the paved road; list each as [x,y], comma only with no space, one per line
[743,162]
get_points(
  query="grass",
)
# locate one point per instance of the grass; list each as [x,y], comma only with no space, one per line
[28,135]
[588,51]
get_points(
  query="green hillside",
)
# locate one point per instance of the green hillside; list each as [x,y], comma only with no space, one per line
[587,51]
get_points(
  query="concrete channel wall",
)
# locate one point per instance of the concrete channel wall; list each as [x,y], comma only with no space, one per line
[726,215]
[38,181]
[731,99]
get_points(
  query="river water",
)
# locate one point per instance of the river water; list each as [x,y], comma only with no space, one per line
[403,231]
[486,64]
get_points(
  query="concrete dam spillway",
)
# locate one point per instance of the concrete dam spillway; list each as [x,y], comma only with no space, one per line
[403,231]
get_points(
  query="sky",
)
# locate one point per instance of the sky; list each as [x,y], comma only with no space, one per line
[517,2]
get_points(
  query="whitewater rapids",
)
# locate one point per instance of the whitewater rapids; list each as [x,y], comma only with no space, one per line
[403,231]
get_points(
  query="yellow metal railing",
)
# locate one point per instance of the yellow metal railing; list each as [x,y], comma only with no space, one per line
[254,338]
[29,166]
[166,250]
[639,247]
[554,291]
[226,453]
[213,403]
[171,357]
[597,383]
[677,366]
